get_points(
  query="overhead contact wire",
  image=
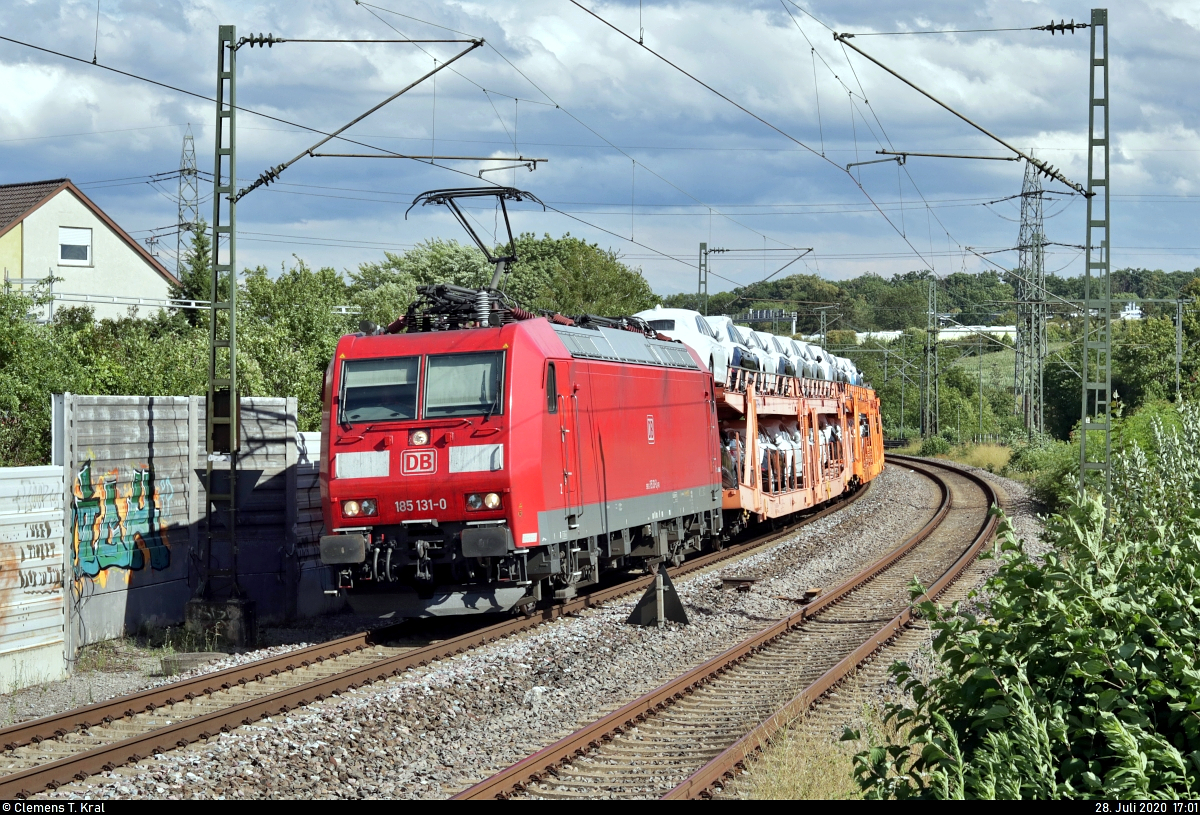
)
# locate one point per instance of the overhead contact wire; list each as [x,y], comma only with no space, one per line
[555,104]
[758,118]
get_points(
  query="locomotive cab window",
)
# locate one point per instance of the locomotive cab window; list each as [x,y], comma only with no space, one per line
[551,389]
[661,325]
[379,390]
[464,385]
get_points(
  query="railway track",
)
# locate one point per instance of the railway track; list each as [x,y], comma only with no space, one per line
[685,738]
[56,750]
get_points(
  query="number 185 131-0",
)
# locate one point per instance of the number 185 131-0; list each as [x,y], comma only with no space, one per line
[421,505]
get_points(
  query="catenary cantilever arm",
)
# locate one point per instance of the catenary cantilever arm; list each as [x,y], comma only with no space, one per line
[273,173]
[1042,166]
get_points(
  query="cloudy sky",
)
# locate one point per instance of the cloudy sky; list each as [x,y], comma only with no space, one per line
[641,158]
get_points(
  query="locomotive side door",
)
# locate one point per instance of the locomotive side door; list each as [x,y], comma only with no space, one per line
[563,402]
[714,443]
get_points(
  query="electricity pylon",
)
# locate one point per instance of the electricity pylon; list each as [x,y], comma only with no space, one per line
[929,391]
[189,197]
[1031,306]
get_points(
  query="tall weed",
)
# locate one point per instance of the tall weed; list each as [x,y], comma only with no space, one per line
[1083,682]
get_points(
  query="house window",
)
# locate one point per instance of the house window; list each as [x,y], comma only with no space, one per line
[74,246]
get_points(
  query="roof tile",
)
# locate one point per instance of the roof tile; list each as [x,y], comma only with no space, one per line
[17,199]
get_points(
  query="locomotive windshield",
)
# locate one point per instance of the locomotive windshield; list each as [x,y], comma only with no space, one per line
[464,384]
[375,390]
[662,325]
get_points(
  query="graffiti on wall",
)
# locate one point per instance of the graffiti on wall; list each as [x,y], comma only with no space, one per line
[117,525]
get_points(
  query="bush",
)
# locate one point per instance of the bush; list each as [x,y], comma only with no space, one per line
[935,446]
[1049,466]
[1083,682]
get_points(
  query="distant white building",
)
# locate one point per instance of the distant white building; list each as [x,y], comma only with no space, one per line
[1132,311]
[51,228]
[954,332]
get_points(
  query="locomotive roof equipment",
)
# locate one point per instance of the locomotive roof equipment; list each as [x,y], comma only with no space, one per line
[442,306]
[449,198]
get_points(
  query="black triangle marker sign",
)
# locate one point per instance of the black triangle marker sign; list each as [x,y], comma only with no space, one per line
[646,613]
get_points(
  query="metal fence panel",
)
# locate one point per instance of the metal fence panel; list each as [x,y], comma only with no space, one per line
[129,466]
[135,510]
[315,578]
[134,505]
[31,576]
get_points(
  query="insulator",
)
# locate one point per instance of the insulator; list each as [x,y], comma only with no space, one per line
[483,305]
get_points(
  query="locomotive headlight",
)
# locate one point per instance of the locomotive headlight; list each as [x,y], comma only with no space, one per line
[351,509]
[418,438]
[491,501]
[474,501]
[369,507]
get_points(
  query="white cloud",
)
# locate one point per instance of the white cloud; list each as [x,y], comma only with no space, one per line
[1027,87]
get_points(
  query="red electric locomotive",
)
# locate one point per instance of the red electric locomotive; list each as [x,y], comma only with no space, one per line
[475,470]
[479,458]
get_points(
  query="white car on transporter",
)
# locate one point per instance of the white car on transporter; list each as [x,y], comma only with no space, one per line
[690,328]
[775,357]
[737,345]
[822,364]
[806,354]
[791,352]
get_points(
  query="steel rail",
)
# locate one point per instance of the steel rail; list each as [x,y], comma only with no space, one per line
[543,763]
[722,767]
[149,700]
[107,757]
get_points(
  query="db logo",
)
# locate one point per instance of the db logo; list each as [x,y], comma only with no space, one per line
[650,427]
[418,462]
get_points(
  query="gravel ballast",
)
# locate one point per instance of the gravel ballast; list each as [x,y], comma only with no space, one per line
[793,767]
[438,729]
[120,667]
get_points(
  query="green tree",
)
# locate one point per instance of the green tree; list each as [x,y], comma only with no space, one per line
[288,332]
[573,276]
[195,275]
[384,290]
[905,303]
[1144,360]
[430,261]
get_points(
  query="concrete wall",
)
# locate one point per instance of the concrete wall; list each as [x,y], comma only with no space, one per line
[116,269]
[31,576]
[135,511]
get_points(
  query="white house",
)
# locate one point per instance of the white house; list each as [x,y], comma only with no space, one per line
[51,228]
[1132,311]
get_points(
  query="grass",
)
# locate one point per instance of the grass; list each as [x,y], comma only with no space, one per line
[178,639]
[801,766]
[104,656]
[991,457]
[998,365]
[153,642]
[797,768]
